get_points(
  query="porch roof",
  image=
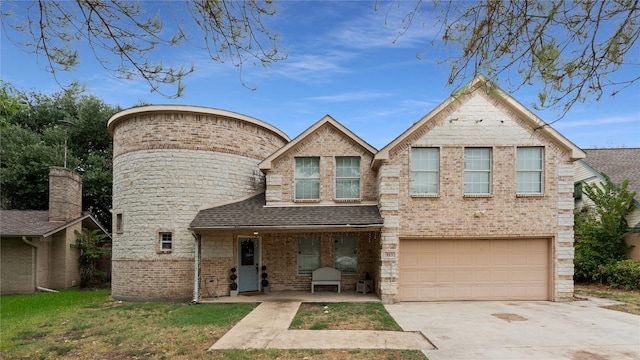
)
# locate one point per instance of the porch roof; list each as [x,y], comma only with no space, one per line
[252,213]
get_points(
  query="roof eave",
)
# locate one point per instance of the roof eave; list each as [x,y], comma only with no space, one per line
[287,227]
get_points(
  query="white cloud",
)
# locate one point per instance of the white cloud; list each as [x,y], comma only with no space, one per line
[604,121]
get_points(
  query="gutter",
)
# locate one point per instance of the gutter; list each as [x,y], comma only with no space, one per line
[35,266]
[196,267]
[292,227]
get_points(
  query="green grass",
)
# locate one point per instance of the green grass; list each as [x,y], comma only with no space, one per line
[76,324]
[344,316]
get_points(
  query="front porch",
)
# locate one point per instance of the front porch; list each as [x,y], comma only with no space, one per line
[293,296]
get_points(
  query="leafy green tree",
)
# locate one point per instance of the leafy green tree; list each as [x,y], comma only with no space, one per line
[575,49]
[92,251]
[127,37]
[33,140]
[600,228]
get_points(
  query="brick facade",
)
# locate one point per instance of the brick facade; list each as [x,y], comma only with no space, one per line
[171,161]
[478,121]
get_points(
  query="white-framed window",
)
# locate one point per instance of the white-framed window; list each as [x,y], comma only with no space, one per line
[165,241]
[348,177]
[346,254]
[308,254]
[307,178]
[425,170]
[529,170]
[477,170]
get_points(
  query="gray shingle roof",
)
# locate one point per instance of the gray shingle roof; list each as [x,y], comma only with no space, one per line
[252,213]
[618,164]
[27,222]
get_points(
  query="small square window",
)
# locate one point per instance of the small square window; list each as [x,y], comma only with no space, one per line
[166,241]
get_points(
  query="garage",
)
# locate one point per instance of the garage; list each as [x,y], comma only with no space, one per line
[473,269]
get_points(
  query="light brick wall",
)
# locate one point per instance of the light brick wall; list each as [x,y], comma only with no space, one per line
[327,143]
[166,166]
[64,271]
[65,194]
[503,214]
[16,267]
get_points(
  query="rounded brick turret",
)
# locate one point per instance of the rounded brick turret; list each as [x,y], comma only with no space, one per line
[168,161]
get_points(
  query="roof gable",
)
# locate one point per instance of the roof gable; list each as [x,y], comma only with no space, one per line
[267,163]
[496,97]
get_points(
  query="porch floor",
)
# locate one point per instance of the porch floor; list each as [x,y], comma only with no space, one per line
[294,296]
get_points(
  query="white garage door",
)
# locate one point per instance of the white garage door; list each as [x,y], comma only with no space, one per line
[473,269]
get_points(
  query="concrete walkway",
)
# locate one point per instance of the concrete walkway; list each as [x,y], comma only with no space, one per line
[266,327]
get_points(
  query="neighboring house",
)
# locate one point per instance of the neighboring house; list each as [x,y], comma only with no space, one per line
[36,244]
[472,202]
[618,164]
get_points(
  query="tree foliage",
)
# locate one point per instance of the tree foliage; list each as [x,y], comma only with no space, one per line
[126,36]
[92,251]
[33,140]
[573,48]
[600,228]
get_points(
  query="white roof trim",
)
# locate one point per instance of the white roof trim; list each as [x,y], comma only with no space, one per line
[266,163]
[190,109]
[575,153]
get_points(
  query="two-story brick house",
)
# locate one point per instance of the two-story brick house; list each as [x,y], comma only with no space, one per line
[473,201]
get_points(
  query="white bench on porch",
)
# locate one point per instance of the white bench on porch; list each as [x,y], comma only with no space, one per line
[326,276]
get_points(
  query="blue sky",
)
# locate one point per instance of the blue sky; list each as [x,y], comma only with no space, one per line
[342,61]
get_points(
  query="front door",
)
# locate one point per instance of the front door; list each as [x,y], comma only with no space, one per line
[248,260]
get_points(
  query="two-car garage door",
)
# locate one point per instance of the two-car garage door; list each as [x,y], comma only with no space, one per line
[473,269]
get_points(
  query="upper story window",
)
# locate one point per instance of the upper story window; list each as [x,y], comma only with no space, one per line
[529,173]
[307,178]
[348,177]
[425,167]
[477,170]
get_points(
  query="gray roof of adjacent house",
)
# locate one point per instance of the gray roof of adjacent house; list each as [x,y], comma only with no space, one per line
[36,223]
[618,164]
[252,213]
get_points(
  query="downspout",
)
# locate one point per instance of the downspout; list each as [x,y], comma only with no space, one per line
[35,266]
[196,267]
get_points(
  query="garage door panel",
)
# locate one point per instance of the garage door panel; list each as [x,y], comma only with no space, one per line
[473,269]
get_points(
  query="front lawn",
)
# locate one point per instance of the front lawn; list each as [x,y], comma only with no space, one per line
[343,316]
[75,324]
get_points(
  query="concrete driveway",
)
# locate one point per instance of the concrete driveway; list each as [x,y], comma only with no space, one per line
[579,330]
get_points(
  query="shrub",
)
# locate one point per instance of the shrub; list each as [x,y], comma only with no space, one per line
[625,274]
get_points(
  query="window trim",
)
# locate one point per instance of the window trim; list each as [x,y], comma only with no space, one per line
[489,172]
[540,171]
[295,179]
[359,178]
[161,242]
[412,171]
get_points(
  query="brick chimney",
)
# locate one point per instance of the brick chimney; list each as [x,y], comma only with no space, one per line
[65,194]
